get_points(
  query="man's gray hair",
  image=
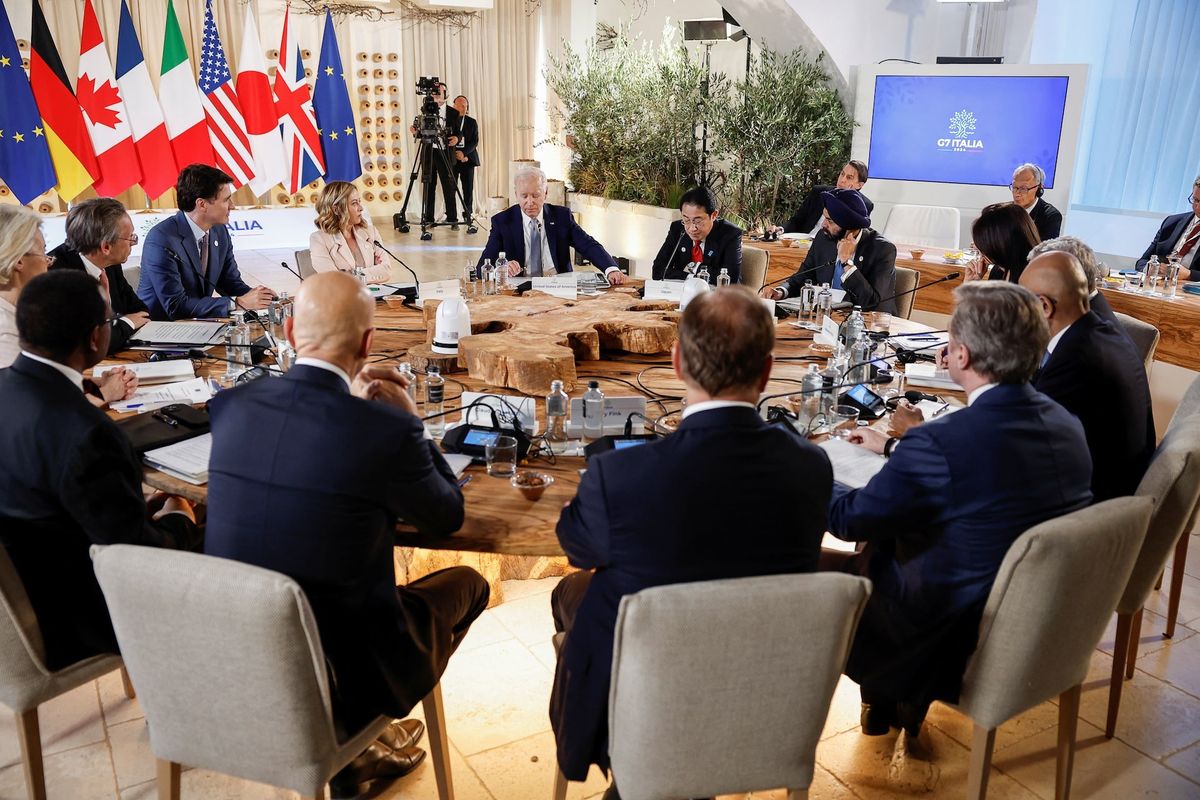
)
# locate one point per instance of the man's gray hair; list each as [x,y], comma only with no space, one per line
[93,222]
[1039,174]
[525,173]
[1002,326]
[1084,254]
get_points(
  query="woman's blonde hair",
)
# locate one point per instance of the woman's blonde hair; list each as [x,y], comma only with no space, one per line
[18,226]
[333,207]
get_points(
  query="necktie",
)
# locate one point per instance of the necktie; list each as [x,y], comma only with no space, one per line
[837,275]
[204,254]
[535,249]
[697,253]
[1045,358]
[1190,241]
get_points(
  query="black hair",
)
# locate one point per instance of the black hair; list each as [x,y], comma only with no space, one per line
[199,182]
[699,196]
[57,312]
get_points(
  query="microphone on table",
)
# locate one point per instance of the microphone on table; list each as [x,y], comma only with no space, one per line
[251,315]
[252,371]
[409,295]
[913,396]
[674,249]
[869,382]
[858,364]
[284,264]
[949,277]
[801,272]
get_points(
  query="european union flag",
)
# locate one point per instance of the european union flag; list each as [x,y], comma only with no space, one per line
[25,164]
[335,115]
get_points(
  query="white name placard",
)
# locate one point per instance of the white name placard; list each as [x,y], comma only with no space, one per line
[440,290]
[664,290]
[565,286]
[616,411]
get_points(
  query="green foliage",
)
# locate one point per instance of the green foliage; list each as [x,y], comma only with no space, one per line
[633,111]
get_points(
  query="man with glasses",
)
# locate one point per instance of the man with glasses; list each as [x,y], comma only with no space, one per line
[189,256]
[1178,237]
[699,238]
[1027,190]
[99,239]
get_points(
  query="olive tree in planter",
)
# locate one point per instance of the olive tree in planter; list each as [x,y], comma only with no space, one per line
[630,112]
[784,130]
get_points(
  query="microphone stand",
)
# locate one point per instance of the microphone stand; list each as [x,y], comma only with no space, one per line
[409,295]
[949,277]
[289,269]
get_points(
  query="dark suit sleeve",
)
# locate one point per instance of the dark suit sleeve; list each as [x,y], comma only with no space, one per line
[583,529]
[124,298]
[160,273]
[471,137]
[1051,223]
[731,256]
[903,498]
[805,218]
[874,281]
[586,246]
[795,283]
[666,253]
[495,242]
[1164,231]
[423,490]
[231,282]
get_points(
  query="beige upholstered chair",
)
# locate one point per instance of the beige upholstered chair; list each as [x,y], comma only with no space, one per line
[755,262]
[735,656]
[304,264]
[1188,406]
[231,672]
[25,683]
[932,226]
[132,274]
[1144,335]
[906,281]
[1056,589]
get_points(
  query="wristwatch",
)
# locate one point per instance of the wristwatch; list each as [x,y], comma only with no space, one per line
[889,446]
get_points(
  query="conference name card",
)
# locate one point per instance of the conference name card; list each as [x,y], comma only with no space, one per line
[616,412]
[440,290]
[565,286]
[664,290]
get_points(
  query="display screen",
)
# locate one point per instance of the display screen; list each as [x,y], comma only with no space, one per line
[861,394]
[478,438]
[966,129]
[621,444]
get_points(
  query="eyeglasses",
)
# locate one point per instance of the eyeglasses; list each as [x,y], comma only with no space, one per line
[49,259]
[1023,189]
[1191,198]
[131,239]
[694,222]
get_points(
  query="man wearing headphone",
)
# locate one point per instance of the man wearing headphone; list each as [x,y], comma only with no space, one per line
[1027,190]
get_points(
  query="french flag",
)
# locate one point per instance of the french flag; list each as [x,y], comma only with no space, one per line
[145,115]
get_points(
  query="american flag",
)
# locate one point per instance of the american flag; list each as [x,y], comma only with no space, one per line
[226,127]
[301,141]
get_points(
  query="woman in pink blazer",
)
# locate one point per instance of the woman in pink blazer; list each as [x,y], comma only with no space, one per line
[345,237]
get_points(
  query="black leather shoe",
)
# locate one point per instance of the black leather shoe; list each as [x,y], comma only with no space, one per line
[876,720]
[377,761]
[402,733]
[911,716]
[453,226]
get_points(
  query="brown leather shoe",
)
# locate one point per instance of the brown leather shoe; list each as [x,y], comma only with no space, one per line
[402,733]
[377,761]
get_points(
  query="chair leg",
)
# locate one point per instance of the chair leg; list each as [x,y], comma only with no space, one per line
[30,734]
[1181,548]
[127,684]
[439,745]
[560,784]
[1158,583]
[983,741]
[168,779]
[1068,721]
[1135,636]
[1121,649]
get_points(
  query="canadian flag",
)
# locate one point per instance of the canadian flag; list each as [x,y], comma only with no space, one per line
[258,109]
[104,111]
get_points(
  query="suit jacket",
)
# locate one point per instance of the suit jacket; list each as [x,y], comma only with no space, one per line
[722,248]
[642,517]
[1097,375]
[171,285]
[809,213]
[562,233]
[1047,219]
[868,286]
[69,479]
[330,252]
[939,518]
[308,480]
[1164,241]
[122,296]
[1104,311]
[468,134]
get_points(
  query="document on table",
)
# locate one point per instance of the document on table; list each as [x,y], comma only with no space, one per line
[186,460]
[853,466]
[195,391]
[149,372]
[457,462]
[929,375]
[191,332]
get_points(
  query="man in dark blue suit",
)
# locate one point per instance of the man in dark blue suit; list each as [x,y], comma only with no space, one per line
[700,237]
[1086,257]
[308,475]
[1092,370]
[953,496]
[645,517]
[536,237]
[1179,236]
[190,256]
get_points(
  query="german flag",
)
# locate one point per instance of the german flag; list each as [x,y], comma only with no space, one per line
[66,133]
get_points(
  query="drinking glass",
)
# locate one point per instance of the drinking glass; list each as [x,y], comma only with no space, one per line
[842,420]
[501,457]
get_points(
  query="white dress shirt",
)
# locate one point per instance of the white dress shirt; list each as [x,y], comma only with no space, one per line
[68,373]
[96,272]
[1188,229]
[1054,340]
[709,405]
[978,392]
[9,346]
[527,226]
[307,361]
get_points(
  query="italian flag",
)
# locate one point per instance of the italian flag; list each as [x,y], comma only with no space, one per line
[104,110]
[180,99]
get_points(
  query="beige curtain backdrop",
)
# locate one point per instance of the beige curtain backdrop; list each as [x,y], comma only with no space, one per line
[492,62]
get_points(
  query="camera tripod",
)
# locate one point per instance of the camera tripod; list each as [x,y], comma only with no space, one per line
[426,153]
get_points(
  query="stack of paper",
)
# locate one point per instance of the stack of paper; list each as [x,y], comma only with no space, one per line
[186,460]
[195,332]
[853,466]
[929,375]
[194,392]
[151,372]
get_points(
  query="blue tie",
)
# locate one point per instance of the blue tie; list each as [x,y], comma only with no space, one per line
[837,275]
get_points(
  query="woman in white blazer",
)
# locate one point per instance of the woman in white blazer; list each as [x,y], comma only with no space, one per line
[345,237]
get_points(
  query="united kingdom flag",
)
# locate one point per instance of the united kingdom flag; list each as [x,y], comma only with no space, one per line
[301,141]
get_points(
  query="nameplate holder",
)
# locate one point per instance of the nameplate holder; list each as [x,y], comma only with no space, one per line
[565,286]
[439,290]
[664,290]
[616,411]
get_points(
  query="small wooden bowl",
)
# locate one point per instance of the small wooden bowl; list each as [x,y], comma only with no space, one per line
[917,254]
[532,485]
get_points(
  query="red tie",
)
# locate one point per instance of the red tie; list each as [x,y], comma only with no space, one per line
[1190,242]
[697,253]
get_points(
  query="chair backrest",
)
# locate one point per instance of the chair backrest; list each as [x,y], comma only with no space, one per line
[23,672]
[755,261]
[755,659]
[1188,407]
[932,226]
[1144,335]
[132,274]
[227,663]
[1054,595]
[304,264]
[1173,482]
[906,281]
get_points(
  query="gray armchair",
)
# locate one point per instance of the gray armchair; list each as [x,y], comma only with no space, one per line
[755,262]
[231,672]
[1144,335]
